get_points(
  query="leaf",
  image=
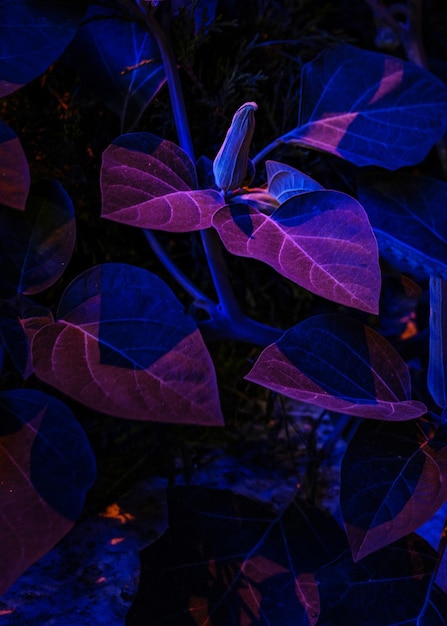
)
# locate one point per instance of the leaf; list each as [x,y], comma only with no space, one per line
[32,36]
[46,466]
[393,479]
[14,170]
[18,324]
[339,364]
[419,244]
[234,561]
[437,373]
[119,61]
[390,115]
[36,246]
[123,346]
[387,588]
[285,181]
[150,182]
[321,240]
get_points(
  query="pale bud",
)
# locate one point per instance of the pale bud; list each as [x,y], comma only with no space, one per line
[230,164]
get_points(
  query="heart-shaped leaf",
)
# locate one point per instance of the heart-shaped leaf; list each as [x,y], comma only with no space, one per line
[285,181]
[14,170]
[389,115]
[151,183]
[46,466]
[321,240]
[119,61]
[437,365]
[37,245]
[339,364]
[419,244]
[34,35]
[388,588]
[234,561]
[124,346]
[393,480]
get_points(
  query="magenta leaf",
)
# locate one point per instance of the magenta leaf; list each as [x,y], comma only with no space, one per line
[234,561]
[419,245]
[151,183]
[34,35]
[339,364]
[390,115]
[118,60]
[321,240]
[15,176]
[393,480]
[37,245]
[390,587]
[123,345]
[46,466]
[285,181]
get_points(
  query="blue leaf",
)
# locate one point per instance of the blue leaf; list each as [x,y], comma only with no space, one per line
[369,108]
[119,61]
[407,214]
[32,36]
[437,366]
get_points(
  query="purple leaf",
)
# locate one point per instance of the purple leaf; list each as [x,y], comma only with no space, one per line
[389,588]
[339,364]
[14,170]
[285,181]
[46,466]
[234,561]
[37,245]
[119,61]
[123,345]
[151,183]
[393,480]
[321,240]
[419,244]
[390,115]
[34,35]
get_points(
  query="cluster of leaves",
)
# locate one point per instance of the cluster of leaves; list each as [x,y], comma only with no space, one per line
[121,343]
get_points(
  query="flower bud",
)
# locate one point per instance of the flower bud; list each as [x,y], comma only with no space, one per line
[230,164]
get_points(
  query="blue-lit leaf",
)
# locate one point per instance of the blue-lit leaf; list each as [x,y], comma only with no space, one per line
[123,345]
[389,587]
[437,365]
[321,240]
[150,182]
[393,480]
[32,36]
[36,245]
[46,467]
[14,170]
[339,364]
[285,181]
[369,108]
[119,61]
[235,561]
[407,216]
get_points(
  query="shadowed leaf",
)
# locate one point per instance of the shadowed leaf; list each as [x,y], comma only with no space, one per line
[393,479]
[32,36]
[419,244]
[123,345]
[339,364]
[388,588]
[46,466]
[390,115]
[14,170]
[321,240]
[437,365]
[234,561]
[151,183]
[285,181]
[119,61]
